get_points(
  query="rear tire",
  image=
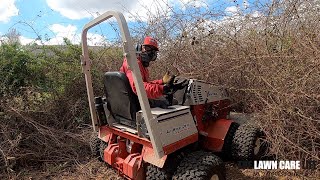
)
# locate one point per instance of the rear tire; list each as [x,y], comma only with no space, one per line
[156,173]
[200,165]
[165,173]
[95,145]
[102,147]
[248,143]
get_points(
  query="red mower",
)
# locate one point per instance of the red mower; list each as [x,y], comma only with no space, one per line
[185,141]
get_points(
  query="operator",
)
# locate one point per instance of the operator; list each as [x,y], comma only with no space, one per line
[146,53]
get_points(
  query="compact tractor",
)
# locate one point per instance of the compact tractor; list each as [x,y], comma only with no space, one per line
[184,141]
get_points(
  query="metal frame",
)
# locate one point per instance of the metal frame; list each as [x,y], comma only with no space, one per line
[129,53]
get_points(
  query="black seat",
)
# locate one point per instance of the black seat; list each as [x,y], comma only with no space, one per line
[123,101]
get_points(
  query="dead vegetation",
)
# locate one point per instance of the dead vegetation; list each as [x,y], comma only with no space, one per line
[270,62]
[29,140]
[268,59]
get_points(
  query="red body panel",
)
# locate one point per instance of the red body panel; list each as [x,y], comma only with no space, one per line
[131,166]
[126,135]
[212,126]
[177,145]
[110,153]
[128,164]
[148,155]
[216,132]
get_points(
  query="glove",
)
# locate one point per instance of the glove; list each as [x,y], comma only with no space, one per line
[167,78]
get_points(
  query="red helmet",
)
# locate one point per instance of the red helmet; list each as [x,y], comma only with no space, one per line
[149,41]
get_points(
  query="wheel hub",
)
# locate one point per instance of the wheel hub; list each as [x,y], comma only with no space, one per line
[257,146]
[214,177]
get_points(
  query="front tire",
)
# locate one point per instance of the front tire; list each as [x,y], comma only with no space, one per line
[200,165]
[248,143]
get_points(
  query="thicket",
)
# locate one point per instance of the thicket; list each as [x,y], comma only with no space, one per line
[44,115]
[267,56]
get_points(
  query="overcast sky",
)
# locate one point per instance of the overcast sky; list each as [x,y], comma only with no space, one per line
[51,20]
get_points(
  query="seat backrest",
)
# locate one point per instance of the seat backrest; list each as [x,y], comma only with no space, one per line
[123,101]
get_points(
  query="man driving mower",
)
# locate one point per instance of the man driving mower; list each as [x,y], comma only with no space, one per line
[155,89]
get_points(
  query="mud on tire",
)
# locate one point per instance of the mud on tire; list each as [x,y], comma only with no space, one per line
[248,143]
[200,165]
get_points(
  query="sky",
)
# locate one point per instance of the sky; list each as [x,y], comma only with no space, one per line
[49,21]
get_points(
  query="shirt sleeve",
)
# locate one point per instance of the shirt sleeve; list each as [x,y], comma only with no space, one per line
[154,89]
[158,81]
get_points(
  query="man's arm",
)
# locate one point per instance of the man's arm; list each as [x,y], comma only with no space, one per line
[153,90]
[158,81]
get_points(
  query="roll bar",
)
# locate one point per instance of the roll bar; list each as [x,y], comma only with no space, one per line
[130,54]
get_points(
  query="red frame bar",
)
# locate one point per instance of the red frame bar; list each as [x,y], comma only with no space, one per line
[127,135]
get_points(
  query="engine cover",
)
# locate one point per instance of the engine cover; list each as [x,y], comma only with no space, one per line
[200,92]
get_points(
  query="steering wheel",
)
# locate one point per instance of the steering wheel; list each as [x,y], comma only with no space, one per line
[169,97]
[175,86]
